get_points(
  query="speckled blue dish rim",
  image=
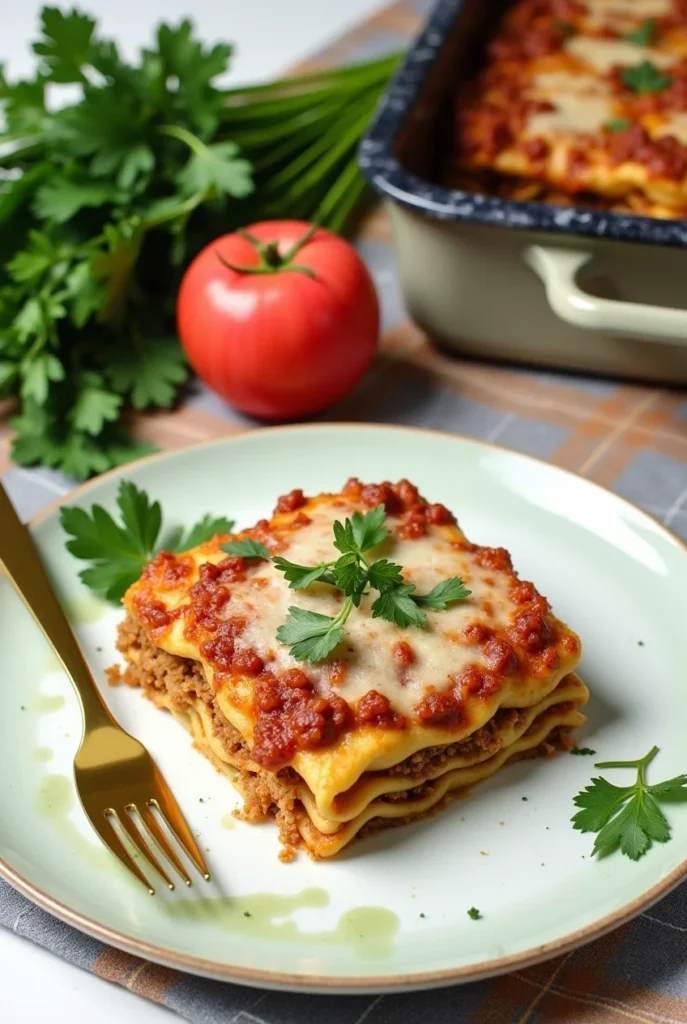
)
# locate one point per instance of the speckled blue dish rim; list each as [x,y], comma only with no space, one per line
[382,169]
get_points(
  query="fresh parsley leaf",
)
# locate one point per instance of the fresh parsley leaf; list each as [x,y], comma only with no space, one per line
[396,605]
[352,574]
[598,803]
[645,78]
[349,574]
[310,636]
[344,541]
[94,407]
[184,58]
[38,374]
[118,551]
[361,532]
[216,171]
[142,518]
[150,374]
[247,548]
[15,193]
[383,574]
[644,35]
[474,914]
[30,322]
[36,259]
[627,817]
[79,456]
[104,130]
[368,529]
[8,372]
[25,113]
[443,594]
[86,293]
[66,44]
[619,124]
[300,577]
[582,750]
[207,528]
[60,198]
[669,787]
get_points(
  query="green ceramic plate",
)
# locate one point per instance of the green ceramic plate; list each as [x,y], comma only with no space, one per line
[393,911]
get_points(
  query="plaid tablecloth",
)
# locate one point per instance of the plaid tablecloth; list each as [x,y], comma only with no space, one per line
[627,437]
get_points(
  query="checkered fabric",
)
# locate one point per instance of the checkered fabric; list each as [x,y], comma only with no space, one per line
[628,437]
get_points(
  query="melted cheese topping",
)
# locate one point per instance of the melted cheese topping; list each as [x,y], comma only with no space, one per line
[603,54]
[676,125]
[574,114]
[636,9]
[440,650]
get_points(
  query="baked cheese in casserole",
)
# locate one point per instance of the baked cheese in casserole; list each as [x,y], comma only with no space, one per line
[585,95]
[395,719]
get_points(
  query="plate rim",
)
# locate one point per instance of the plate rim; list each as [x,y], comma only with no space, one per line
[329,984]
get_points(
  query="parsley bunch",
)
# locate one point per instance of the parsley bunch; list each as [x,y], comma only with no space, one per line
[627,817]
[104,201]
[312,636]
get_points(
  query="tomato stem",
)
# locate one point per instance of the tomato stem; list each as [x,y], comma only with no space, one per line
[297,246]
[249,238]
[271,260]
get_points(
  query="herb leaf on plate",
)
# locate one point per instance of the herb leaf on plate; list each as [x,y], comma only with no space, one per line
[628,818]
[119,551]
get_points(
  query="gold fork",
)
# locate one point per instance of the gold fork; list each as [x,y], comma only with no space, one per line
[116,778]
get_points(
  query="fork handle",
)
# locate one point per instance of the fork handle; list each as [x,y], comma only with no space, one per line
[25,570]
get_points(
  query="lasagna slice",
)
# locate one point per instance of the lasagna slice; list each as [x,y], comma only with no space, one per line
[586,96]
[396,719]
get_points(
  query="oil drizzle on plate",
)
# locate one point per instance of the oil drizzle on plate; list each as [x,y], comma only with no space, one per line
[47,702]
[51,663]
[368,931]
[55,799]
[82,611]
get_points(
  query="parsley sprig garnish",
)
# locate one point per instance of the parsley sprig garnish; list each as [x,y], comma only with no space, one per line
[312,636]
[119,552]
[627,817]
[644,35]
[645,78]
[619,124]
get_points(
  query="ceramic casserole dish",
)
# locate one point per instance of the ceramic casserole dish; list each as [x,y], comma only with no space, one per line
[501,278]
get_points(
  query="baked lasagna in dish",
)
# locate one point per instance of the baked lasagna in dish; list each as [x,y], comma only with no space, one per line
[401,709]
[584,99]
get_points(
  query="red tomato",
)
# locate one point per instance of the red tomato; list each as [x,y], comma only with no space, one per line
[286,341]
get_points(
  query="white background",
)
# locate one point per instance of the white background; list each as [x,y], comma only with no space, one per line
[271,35]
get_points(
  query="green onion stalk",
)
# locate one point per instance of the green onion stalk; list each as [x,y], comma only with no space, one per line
[301,135]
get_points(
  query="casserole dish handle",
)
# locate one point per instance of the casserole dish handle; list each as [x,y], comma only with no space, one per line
[558,269]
